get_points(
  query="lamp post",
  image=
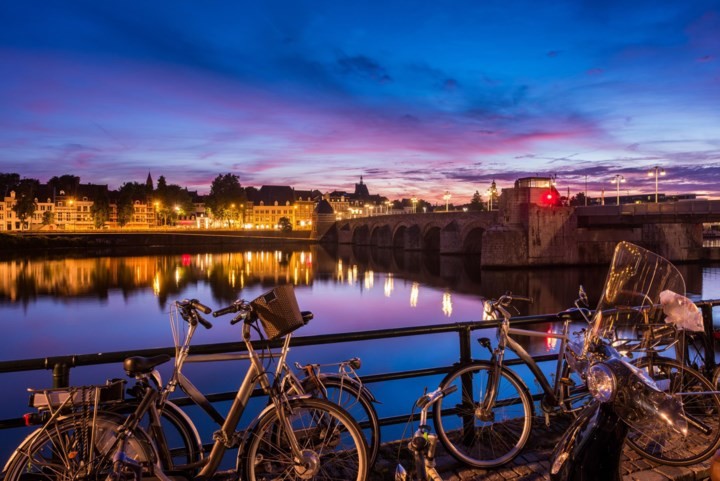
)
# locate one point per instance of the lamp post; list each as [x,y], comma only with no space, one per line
[492,192]
[618,178]
[446,198]
[656,172]
[414,204]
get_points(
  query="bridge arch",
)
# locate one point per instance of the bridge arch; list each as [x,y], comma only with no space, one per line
[431,238]
[398,237]
[472,240]
[361,235]
[381,236]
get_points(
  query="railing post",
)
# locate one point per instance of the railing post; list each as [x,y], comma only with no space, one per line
[61,374]
[466,382]
[709,340]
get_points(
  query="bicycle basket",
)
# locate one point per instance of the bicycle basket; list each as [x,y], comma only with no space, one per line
[278,311]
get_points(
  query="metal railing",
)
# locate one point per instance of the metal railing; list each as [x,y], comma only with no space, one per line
[62,365]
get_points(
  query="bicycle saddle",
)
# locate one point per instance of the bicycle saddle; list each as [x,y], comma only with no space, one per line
[143,365]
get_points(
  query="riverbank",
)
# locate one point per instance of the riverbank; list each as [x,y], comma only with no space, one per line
[149,242]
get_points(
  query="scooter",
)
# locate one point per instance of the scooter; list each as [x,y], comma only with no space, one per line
[625,397]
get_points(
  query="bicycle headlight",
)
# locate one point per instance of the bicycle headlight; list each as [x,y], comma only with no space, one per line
[601,382]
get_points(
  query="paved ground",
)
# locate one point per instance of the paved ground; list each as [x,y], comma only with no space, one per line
[534,463]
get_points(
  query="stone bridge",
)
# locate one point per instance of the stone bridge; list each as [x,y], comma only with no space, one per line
[443,232]
[524,233]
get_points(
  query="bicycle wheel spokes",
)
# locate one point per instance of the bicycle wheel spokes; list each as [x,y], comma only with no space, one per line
[655,440]
[349,397]
[331,445]
[62,452]
[484,438]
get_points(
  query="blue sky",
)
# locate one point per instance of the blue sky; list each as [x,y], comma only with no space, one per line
[418,97]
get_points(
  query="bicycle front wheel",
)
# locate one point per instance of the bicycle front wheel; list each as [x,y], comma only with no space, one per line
[483,439]
[330,442]
[702,411]
[72,448]
[356,401]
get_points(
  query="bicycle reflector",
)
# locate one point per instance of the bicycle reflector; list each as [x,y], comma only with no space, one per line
[33,419]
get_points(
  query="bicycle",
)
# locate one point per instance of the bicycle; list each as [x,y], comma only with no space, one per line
[296,437]
[424,442]
[490,420]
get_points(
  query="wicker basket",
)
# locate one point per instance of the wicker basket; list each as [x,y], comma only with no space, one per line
[278,311]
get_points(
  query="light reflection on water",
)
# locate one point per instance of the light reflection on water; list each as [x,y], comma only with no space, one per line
[100,304]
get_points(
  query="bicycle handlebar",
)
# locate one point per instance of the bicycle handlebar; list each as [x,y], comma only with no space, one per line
[189,310]
[237,306]
[429,398]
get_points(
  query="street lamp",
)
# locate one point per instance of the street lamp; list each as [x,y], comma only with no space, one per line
[492,192]
[414,204]
[656,172]
[618,178]
[446,198]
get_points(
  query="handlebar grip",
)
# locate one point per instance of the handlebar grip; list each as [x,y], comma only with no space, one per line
[226,310]
[204,322]
[449,390]
[523,298]
[238,318]
[200,306]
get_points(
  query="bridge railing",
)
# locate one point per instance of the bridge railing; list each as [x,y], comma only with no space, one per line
[61,366]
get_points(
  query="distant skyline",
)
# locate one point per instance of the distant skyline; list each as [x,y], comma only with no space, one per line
[417,97]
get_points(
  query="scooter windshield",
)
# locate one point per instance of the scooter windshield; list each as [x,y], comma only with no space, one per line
[631,295]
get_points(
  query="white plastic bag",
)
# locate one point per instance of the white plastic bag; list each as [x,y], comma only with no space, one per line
[681,311]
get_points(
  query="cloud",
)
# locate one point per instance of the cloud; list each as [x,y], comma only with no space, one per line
[363,67]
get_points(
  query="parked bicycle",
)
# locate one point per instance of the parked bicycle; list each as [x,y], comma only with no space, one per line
[294,437]
[488,422]
[424,442]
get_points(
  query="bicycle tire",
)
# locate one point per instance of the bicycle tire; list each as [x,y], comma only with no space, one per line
[60,451]
[670,448]
[330,439]
[492,442]
[357,402]
[181,447]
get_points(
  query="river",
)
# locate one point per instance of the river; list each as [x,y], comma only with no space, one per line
[77,305]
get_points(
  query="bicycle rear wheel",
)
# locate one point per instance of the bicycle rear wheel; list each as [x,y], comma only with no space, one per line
[72,448]
[483,440]
[332,446]
[356,401]
[181,445]
[702,411]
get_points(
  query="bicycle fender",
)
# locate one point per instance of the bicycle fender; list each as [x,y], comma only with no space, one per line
[364,391]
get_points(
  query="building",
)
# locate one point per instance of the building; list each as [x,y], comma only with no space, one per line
[271,203]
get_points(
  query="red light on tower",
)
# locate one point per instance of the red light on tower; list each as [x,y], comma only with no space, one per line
[550,197]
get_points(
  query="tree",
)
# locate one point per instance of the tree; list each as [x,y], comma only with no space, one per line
[8,182]
[476,204]
[25,204]
[285,224]
[66,183]
[578,199]
[128,194]
[170,199]
[100,210]
[48,218]
[226,198]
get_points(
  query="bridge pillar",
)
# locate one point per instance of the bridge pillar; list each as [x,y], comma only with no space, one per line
[450,239]
[413,239]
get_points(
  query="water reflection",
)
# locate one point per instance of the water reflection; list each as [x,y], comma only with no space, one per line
[25,280]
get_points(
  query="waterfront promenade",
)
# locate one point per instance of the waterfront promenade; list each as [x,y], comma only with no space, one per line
[533,464]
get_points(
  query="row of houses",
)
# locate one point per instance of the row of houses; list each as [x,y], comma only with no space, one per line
[264,209]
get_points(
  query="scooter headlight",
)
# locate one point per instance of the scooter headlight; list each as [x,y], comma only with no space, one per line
[601,382]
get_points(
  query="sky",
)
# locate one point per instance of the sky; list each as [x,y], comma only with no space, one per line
[419,97]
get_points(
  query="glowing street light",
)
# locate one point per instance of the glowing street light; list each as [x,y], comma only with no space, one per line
[414,204]
[618,178]
[446,198]
[656,172]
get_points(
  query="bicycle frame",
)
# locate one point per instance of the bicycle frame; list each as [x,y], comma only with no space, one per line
[553,393]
